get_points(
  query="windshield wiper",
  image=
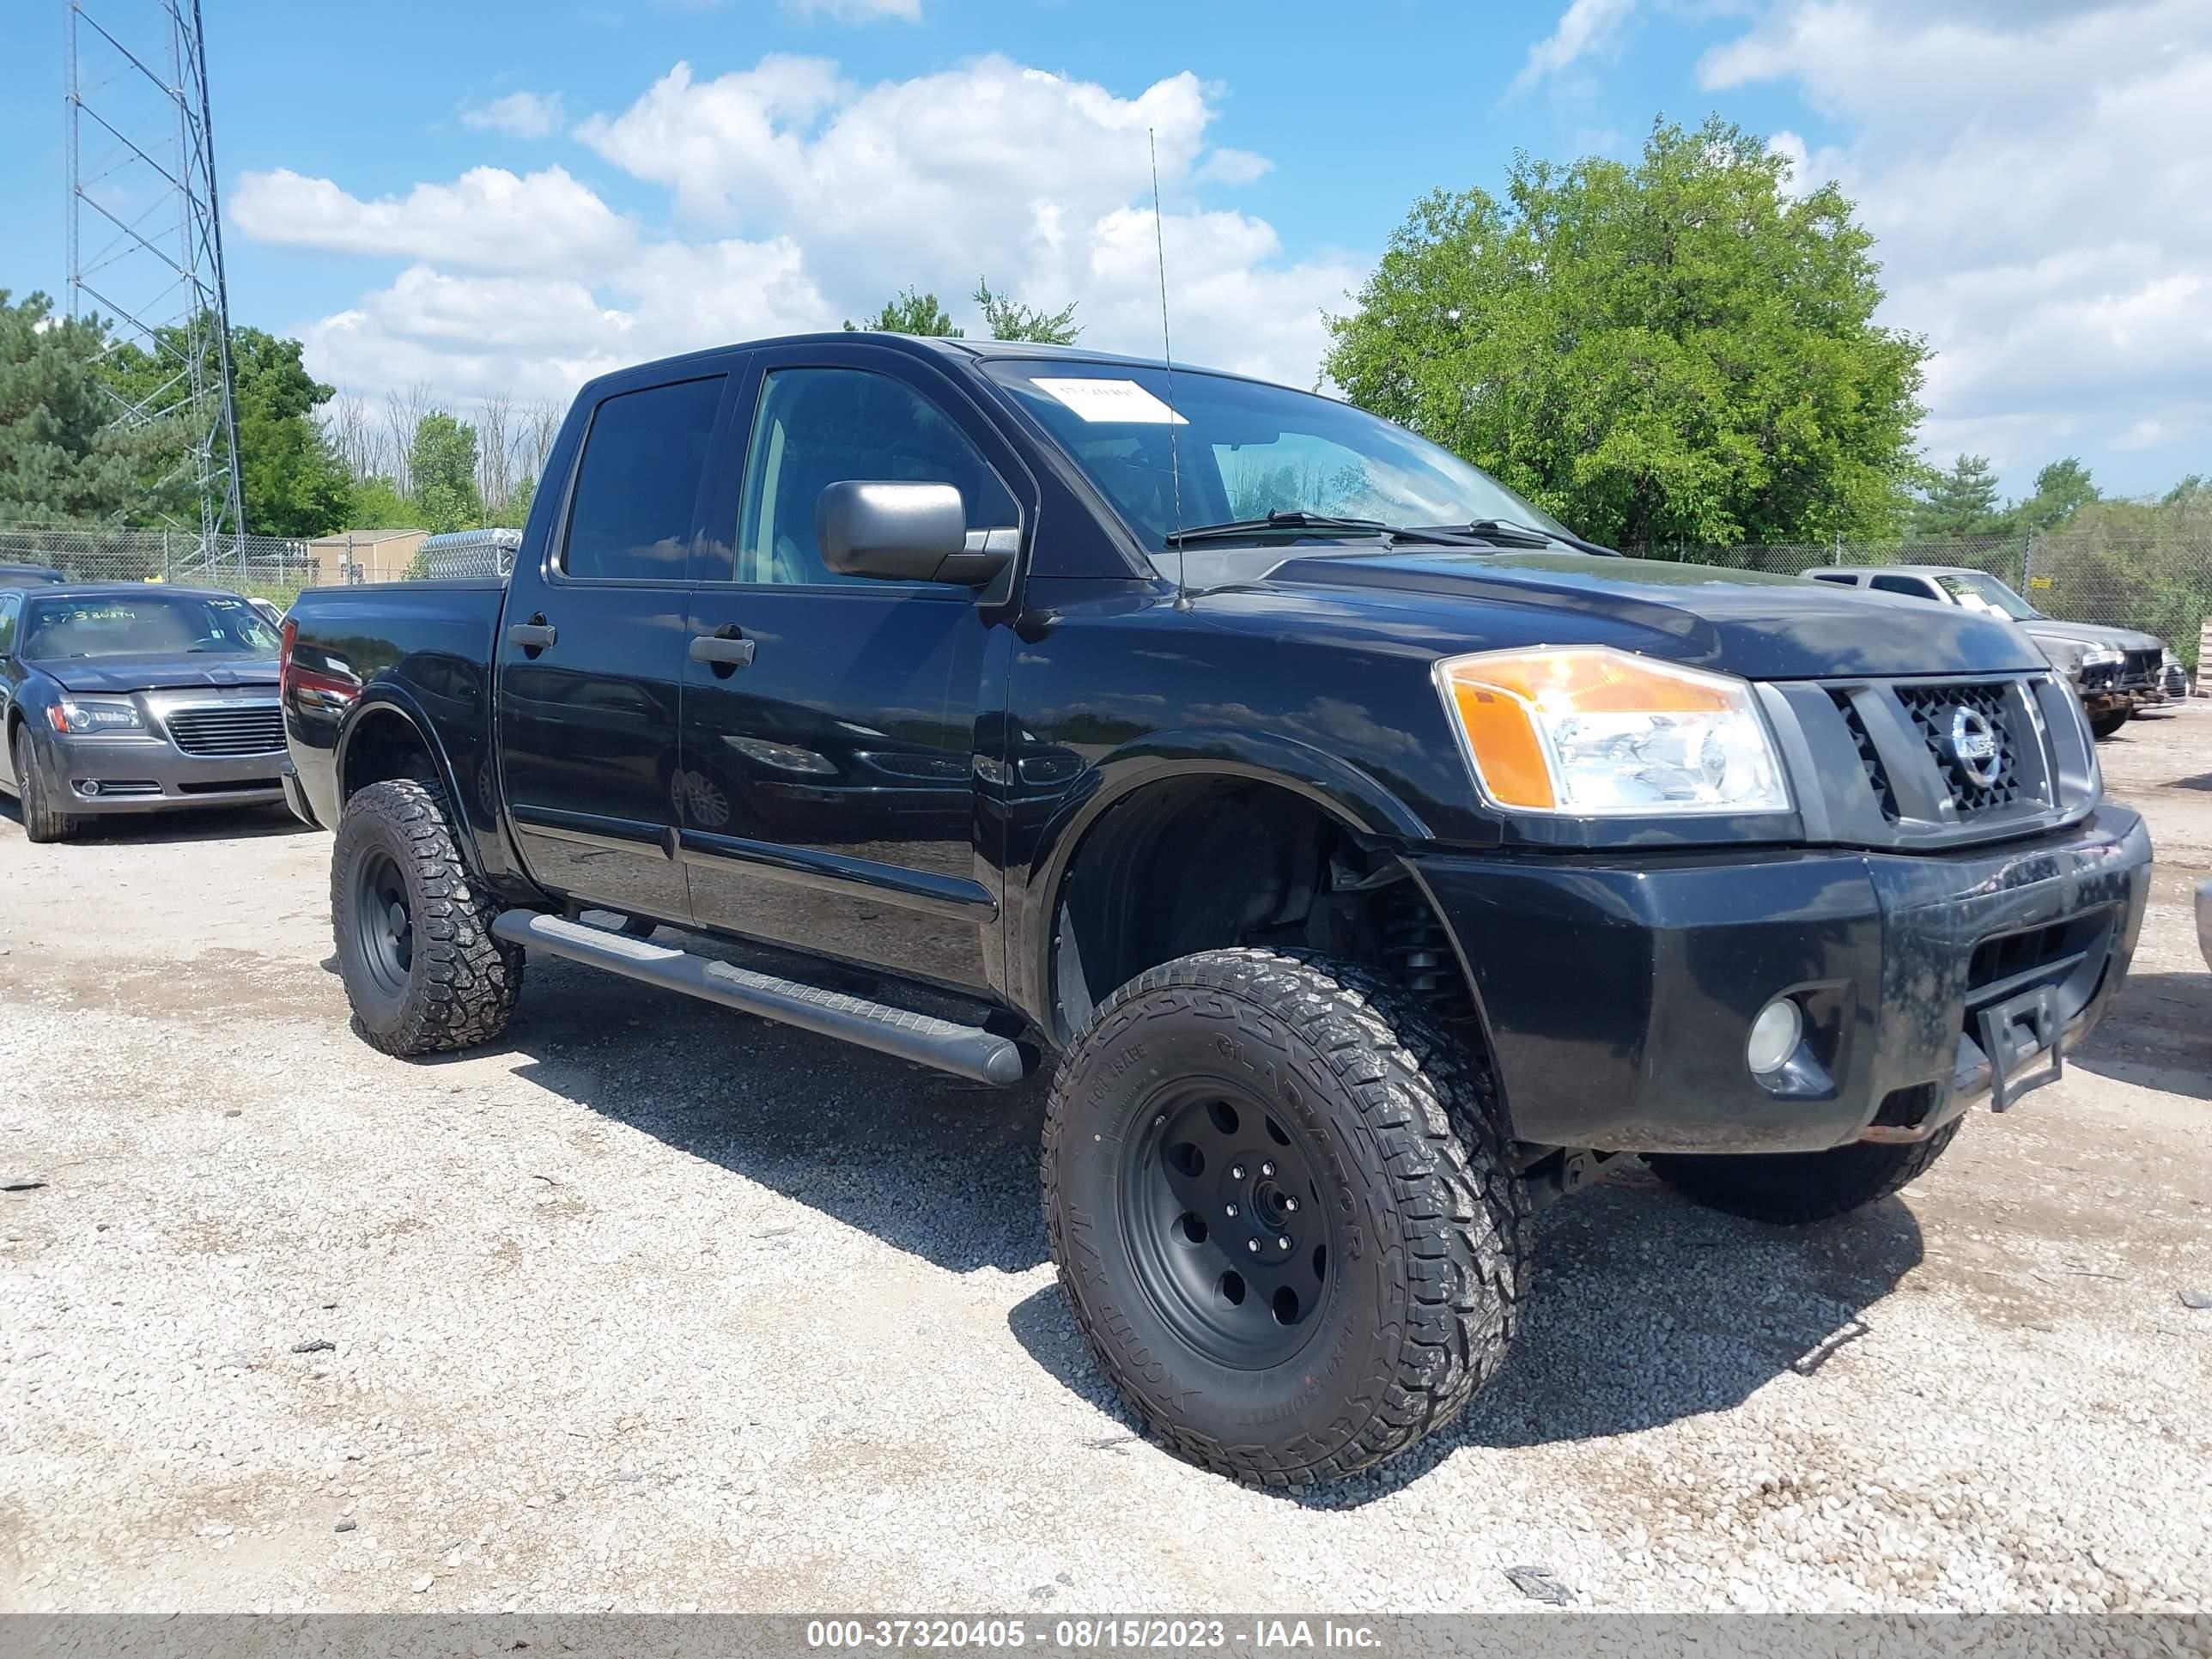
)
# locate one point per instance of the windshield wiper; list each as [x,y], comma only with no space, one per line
[1276,523]
[1508,526]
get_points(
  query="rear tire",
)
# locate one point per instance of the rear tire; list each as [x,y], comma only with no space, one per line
[415,943]
[1321,1104]
[1790,1188]
[42,820]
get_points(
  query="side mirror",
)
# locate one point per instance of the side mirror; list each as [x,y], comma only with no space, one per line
[905,532]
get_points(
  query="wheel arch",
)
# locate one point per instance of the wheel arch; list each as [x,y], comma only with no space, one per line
[384,731]
[1315,814]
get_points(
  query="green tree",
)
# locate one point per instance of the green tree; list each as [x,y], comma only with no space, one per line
[441,464]
[1960,501]
[2062,489]
[1003,319]
[291,481]
[910,313]
[62,457]
[1676,349]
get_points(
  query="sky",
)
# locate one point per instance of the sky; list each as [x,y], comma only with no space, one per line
[486,196]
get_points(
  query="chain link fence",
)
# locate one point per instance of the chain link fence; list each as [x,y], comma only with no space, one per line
[265,567]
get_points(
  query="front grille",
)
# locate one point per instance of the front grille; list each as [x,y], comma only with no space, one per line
[2144,666]
[1934,708]
[220,733]
[1869,757]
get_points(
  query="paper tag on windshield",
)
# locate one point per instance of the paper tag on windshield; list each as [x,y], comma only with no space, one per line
[1122,402]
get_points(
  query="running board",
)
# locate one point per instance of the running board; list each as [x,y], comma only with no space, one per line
[964,1050]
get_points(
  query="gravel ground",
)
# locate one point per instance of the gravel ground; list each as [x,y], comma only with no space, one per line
[653,1307]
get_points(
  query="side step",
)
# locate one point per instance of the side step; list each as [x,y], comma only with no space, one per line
[964,1050]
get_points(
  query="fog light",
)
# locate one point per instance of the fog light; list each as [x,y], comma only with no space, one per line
[89,787]
[1774,1036]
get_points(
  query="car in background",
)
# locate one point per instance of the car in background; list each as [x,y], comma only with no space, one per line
[30,575]
[129,698]
[2115,670]
[2173,678]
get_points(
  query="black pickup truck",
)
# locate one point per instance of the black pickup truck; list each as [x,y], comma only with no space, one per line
[1366,858]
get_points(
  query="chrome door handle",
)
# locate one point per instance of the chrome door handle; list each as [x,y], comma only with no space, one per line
[722,651]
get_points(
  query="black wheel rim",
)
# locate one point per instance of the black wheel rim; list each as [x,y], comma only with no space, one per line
[1222,1205]
[385,922]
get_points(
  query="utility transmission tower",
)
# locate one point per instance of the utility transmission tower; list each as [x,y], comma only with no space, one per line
[145,240]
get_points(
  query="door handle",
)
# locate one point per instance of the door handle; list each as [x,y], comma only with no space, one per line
[724,649]
[534,635]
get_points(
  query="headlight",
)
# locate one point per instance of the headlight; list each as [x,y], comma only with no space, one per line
[75,717]
[1590,731]
[2094,656]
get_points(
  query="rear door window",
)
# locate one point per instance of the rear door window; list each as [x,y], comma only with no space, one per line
[637,485]
[1910,587]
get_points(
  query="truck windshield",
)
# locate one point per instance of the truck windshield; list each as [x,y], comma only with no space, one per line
[142,625]
[1979,592]
[1240,450]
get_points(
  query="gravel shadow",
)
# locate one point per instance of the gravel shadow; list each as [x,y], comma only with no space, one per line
[1645,1309]
[2158,1034]
[929,1163]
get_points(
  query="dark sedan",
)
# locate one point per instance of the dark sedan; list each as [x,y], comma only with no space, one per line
[29,576]
[134,698]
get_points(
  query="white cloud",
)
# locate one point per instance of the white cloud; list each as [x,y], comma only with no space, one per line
[1586,26]
[1232,166]
[855,11]
[2036,171]
[802,198]
[524,114]
[487,219]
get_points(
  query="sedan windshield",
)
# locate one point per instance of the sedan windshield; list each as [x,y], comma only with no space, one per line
[143,624]
[1212,451]
[1979,592]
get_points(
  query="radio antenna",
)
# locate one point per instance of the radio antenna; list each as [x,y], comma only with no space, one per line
[1167,355]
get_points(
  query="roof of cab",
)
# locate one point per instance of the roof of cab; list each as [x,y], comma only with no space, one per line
[973,351]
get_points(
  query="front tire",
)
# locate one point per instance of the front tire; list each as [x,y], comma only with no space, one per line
[2103,726]
[415,943]
[42,820]
[1279,1205]
[1791,1188]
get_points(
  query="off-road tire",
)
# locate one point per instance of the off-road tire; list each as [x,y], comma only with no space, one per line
[42,821]
[1790,1188]
[2103,726]
[461,984]
[1414,1176]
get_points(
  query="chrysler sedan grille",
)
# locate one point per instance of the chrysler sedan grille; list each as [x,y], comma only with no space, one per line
[221,732]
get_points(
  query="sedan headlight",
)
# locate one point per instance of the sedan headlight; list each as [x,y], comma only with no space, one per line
[78,717]
[1593,731]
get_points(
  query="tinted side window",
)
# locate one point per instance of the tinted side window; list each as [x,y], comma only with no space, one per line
[817,427]
[1841,578]
[1910,587]
[637,485]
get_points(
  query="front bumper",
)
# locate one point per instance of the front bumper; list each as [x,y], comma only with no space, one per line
[1619,993]
[98,775]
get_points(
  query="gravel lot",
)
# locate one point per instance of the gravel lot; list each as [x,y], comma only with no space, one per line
[655,1307]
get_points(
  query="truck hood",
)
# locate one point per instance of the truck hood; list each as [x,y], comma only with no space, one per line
[2120,639]
[1742,622]
[161,672]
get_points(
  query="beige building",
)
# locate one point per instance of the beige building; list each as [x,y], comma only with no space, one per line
[364,555]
